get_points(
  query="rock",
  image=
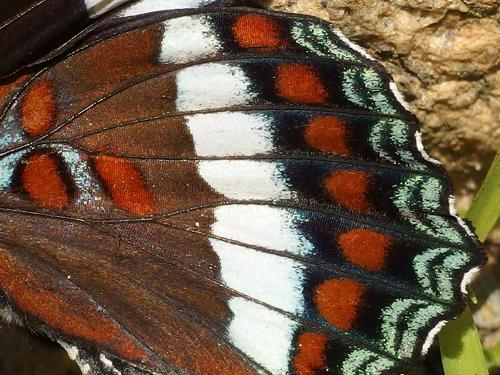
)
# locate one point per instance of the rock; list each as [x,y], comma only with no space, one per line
[444,56]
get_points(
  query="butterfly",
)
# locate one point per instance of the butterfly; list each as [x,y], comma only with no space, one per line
[223,191]
[30,29]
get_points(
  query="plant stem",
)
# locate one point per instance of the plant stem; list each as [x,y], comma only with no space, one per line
[485,209]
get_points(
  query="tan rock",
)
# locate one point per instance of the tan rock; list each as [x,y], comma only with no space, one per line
[457,49]
[433,4]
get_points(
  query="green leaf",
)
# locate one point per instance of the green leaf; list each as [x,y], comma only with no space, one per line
[485,209]
[461,350]
[493,356]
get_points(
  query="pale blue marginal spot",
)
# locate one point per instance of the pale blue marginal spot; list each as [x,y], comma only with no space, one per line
[440,228]
[394,317]
[419,320]
[451,263]
[11,134]
[7,166]
[316,38]
[429,190]
[376,140]
[374,84]
[79,167]
[377,366]
[365,362]
[390,323]
[404,192]
[444,229]
[432,188]
[421,264]
[370,80]
[349,79]
[400,136]
[397,132]
[443,271]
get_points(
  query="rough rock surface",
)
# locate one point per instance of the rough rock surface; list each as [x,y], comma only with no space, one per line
[445,58]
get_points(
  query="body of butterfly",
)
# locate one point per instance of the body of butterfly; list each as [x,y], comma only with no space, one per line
[223,191]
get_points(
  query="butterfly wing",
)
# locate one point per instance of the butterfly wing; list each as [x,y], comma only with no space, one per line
[32,32]
[225,192]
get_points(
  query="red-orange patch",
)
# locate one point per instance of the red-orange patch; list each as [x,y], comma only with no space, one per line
[258,32]
[38,108]
[365,248]
[349,188]
[311,355]
[8,89]
[63,309]
[338,301]
[42,181]
[300,84]
[328,134]
[125,184]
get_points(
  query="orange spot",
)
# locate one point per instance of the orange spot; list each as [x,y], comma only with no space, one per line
[328,134]
[300,84]
[311,353]
[366,248]
[338,301]
[125,185]
[38,109]
[255,31]
[349,188]
[8,89]
[63,309]
[41,180]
